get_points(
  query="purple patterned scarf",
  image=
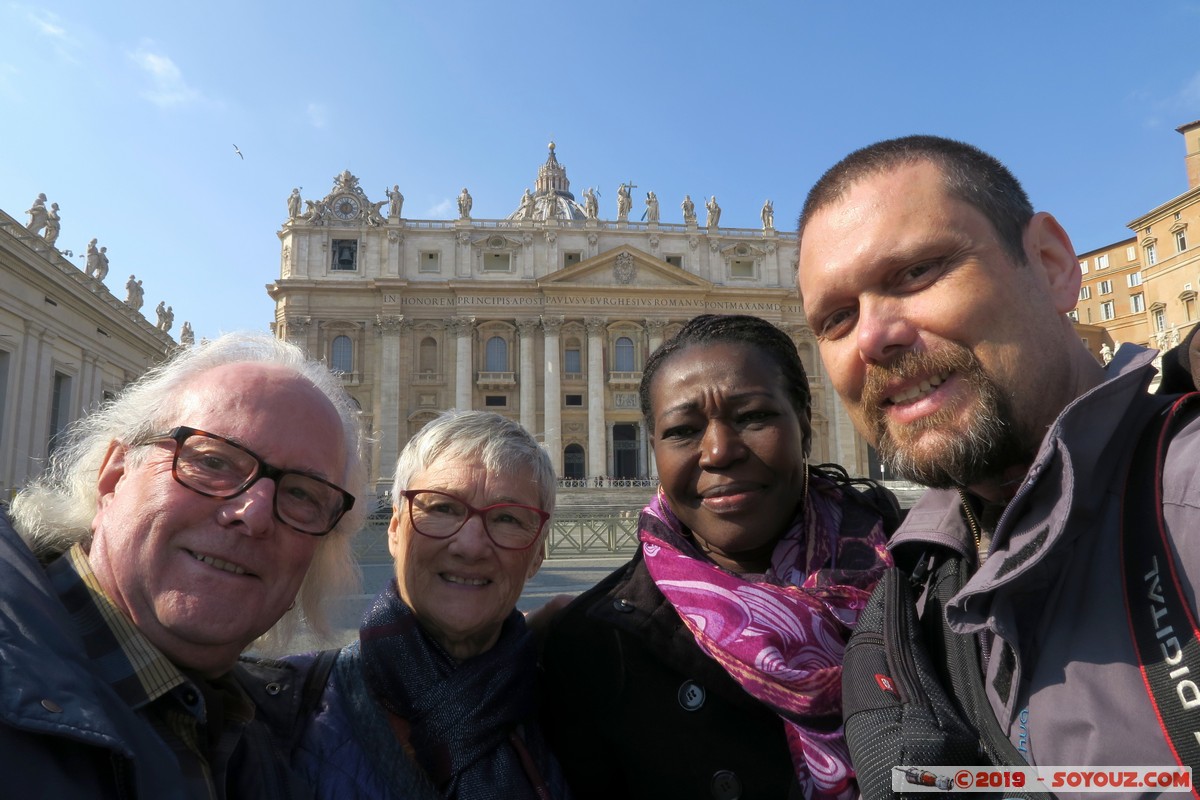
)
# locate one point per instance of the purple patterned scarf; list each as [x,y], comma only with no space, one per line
[781,635]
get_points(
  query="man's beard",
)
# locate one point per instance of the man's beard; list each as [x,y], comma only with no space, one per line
[946,456]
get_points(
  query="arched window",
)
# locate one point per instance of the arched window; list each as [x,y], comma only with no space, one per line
[341,354]
[427,359]
[625,354]
[496,355]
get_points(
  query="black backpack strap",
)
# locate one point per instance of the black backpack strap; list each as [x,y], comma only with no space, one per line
[1161,621]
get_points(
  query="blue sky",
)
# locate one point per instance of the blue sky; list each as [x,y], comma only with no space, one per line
[126,113]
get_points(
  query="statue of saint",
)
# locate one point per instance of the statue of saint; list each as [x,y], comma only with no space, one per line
[53,224]
[186,335]
[92,263]
[165,316]
[37,214]
[294,204]
[1106,353]
[134,294]
[102,264]
[714,213]
[768,216]
[397,202]
[689,210]
[651,207]
[624,202]
[464,204]
[591,206]
[526,209]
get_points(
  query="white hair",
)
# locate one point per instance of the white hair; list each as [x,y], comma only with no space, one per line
[56,510]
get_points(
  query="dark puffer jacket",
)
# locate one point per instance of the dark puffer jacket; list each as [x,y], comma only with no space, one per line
[65,733]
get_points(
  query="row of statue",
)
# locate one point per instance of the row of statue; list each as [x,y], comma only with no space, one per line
[47,222]
[319,211]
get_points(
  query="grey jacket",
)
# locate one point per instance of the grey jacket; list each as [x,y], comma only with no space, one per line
[1062,676]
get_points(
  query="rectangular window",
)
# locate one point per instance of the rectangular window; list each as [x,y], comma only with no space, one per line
[1131,253]
[572,258]
[575,400]
[1160,321]
[1102,261]
[573,363]
[60,408]
[1085,293]
[1107,310]
[1151,255]
[1074,315]
[1105,287]
[497,262]
[1137,303]
[1180,241]
[495,400]
[4,359]
[741,268]
[1134,279]
[1083,266]
[429,262]
[676,261]
[345,255]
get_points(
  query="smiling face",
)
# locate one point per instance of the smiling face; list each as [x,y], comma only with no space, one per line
[203,577]
[730,450]
[948,355]
[464,587]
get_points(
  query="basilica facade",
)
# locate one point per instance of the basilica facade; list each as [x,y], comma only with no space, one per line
[546,316]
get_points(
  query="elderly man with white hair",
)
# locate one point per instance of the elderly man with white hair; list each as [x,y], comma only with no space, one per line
[213,499]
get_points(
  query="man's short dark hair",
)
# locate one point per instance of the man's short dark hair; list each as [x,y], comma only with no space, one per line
[971,175]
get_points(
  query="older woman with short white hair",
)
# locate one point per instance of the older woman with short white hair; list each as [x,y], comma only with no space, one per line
[436,699]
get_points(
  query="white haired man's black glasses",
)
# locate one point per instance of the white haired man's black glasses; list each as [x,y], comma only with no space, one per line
[214,466]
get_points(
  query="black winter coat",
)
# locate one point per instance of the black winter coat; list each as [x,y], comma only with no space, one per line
[635,709]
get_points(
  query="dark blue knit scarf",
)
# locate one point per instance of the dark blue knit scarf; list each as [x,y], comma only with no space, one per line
[460,714]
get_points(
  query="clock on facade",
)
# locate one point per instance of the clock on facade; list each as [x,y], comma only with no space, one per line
[345,207]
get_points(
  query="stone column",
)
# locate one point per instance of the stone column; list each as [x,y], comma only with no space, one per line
[464,329]
[654,330]
[552,424]
[527,328]
[643,452]
[387,374]
[597,446]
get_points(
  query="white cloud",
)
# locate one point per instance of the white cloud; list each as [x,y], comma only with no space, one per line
[167,89]
[443,209]
[318,115]
[50,25]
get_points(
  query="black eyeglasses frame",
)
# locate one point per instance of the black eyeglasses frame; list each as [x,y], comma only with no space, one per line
[181,433]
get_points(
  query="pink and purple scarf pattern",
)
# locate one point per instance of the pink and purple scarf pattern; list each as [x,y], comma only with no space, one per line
[781,636]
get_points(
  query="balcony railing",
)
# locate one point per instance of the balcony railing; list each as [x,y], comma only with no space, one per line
[496,379]
[624,378]
[427,377]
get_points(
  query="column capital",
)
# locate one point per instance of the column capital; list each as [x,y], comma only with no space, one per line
[551,325]
[595,325]
[461,327]
[389,324]
[655,326]
[528,327]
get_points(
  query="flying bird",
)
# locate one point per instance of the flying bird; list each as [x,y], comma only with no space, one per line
[239,152]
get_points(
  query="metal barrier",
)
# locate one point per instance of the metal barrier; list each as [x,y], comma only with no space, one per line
[590,534]
[572,533]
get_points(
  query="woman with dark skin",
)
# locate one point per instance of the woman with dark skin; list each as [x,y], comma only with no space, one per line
[710,664]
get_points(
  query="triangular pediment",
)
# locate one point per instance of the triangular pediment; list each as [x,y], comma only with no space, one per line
[624,267]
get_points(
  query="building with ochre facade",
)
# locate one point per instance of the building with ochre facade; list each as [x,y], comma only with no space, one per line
[546,316]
